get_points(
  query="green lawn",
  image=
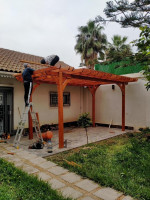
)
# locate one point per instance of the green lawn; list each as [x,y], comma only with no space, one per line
[122,163]
[17,185]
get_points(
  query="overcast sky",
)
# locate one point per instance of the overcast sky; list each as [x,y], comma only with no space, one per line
[45,27]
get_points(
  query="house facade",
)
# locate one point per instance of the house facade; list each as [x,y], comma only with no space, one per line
[76,99]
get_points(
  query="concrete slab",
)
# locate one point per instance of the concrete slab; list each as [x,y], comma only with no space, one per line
[37,160]
[3,144]
[7,156]
[75,137]
[57,170]
[70,192]
[30,169]
[87,198]
[87,185]
[55,184]
[47,165]
[43,176]
[127,198]
[108,194]
[71,177]
[15,160]
[21,165]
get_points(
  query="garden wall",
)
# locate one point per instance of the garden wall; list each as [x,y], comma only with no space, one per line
[109,104]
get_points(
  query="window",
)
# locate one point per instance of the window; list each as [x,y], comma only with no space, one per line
[66,98]
[54,99]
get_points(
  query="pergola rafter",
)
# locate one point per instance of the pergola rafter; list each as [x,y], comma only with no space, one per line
[77,77]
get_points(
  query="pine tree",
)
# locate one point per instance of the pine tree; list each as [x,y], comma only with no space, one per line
[127,14]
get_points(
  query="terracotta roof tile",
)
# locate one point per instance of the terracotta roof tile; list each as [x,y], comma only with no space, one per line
[10,60]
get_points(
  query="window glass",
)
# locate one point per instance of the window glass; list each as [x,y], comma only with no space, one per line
[54,99]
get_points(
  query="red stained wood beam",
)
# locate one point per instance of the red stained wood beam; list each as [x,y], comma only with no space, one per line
[60,111]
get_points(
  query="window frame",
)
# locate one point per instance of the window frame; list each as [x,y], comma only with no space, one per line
[65,104]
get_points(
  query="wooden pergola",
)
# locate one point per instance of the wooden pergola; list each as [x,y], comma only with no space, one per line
[76,77]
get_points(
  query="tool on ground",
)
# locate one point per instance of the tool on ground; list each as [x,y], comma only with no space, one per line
[47,136]
[22,123]
[3,141]
[5,136]
[11,153]
[37,145]
[49,146]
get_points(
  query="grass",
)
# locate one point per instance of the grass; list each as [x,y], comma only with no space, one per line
[18,185]
[122,163]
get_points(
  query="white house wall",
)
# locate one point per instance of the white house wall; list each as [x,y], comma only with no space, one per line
[41,101]
[49,114]
[108,103]
[108,106]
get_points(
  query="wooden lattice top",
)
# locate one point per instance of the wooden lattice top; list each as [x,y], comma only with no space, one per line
[75,77]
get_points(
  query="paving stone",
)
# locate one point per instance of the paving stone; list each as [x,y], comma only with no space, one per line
[87,198]
[15,160]
[14,150]
[127,198]
[47,165]
[87,185]
[3,144]
[57,170]
[30,170]
[20,164]
[37,160]
[71,177]
[28,156]
[1,154]
[43,176]
[108,194]
[55,184]
[70,192]
[10,148]
[7,157]
[31,157]
[20,153]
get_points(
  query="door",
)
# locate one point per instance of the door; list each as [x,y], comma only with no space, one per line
[6,108]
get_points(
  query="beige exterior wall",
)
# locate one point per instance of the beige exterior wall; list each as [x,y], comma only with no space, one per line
[41,101]
[49,114]
[109,104]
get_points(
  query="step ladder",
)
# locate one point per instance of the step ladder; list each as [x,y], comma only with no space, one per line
[22,123]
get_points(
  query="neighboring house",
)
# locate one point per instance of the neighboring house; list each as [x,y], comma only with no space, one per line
[76,99]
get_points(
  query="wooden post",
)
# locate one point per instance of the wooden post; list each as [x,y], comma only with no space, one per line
[60,111]
[93,109]
[122,87]
[123,107]
[93,90]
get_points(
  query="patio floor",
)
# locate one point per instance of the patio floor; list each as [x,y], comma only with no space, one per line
[75,137]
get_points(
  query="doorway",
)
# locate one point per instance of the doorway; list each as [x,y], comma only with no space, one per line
[6,110]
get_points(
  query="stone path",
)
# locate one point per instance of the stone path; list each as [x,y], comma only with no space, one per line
[68,183]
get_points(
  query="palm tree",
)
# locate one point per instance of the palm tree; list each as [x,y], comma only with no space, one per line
[118,50]
[90,43]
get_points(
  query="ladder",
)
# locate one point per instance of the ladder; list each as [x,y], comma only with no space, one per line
[22,122]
